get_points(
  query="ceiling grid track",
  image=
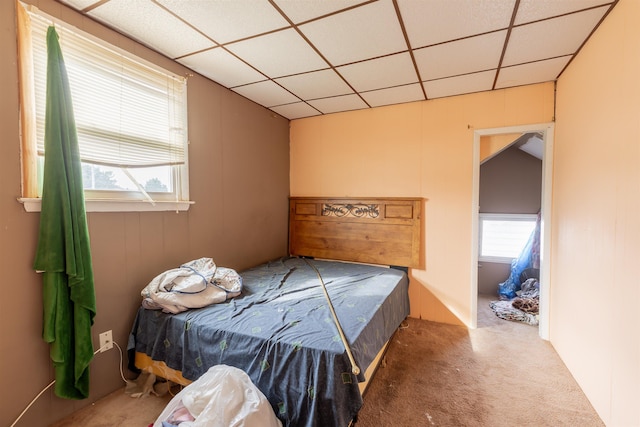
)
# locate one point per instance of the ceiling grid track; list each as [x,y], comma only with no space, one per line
[303,59]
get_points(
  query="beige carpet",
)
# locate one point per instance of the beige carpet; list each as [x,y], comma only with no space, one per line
[500,374]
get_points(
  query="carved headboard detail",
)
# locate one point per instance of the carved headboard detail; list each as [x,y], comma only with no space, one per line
[383,231]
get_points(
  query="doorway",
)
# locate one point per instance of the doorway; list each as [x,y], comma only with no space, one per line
[545,131]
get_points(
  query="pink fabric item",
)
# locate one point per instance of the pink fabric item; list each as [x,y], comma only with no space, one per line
[180,414]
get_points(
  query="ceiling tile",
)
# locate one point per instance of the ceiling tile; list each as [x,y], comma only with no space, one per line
[338,103]
[460,57]
[432,22]
[394,70]
[533,10]
[222,67]
[79,4]
[534,72]
[279,54]
[304,10]
[266,93]
[148,23]
[219,19]
[294,56]
[362,33]
[394,95]
[296,110]
[317,84]
[469,83]
[551,38]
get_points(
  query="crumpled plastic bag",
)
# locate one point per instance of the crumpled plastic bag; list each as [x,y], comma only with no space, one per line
[223,397]
[147,384]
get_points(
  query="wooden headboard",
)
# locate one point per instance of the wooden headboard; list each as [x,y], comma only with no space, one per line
[383,231]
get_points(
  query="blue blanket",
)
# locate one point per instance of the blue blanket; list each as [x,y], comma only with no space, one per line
[281,333]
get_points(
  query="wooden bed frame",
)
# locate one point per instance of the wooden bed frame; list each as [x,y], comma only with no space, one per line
[384,231]
[160,369]
[375,230]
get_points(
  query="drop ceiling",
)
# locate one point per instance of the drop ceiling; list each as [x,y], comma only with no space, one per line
[302,58]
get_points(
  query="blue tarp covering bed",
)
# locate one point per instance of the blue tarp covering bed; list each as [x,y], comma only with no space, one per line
[280,331]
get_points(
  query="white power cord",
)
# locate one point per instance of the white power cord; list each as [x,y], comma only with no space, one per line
[32,402]
[121,372]
[54,381]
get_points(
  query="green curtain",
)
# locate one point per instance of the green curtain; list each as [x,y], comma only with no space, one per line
[63,253]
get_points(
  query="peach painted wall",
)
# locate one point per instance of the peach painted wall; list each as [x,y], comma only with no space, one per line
[419,149]
[491,145]
[595,292]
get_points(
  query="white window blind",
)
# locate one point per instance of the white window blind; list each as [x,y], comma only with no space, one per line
[503,236]
[128,114]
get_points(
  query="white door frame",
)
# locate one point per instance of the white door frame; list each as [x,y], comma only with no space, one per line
[546,129]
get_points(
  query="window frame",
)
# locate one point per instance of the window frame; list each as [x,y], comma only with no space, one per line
[499,217]
[95,200]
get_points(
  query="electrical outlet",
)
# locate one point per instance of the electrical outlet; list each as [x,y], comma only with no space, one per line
[106,341]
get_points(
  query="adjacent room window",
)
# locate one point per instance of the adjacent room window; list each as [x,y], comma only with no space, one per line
[503,236]
[130,116]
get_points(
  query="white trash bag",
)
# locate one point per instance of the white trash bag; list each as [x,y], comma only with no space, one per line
[223,397]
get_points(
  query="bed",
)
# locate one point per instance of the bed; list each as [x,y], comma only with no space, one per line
[281,330]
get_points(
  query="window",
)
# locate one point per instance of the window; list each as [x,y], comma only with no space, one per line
[130,117]
[503,236]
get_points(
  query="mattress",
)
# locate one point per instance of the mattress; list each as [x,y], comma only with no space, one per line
[281,332]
